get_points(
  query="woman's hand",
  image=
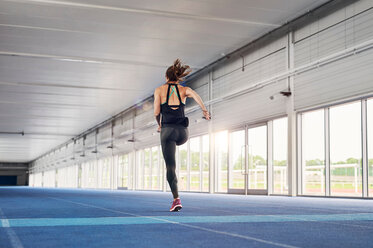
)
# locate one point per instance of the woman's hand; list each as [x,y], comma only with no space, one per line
[159,129]
[206,115]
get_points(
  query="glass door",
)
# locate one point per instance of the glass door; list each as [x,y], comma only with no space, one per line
[248,165]
[257,165]
[237,170]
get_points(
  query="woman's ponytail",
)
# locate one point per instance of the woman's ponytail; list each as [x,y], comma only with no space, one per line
[177,71]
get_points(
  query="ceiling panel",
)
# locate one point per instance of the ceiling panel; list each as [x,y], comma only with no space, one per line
[67,65]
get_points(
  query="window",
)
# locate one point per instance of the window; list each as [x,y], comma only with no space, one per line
[38,180]
[58,183]
[237,160]
[183,167]
[85,178]
[80,175]
[62,177]
[99,173]
[345,150]
[92,172]
[257,149]
[105,172]
[205,163]
[195,164]
[123,171]
[313,153]
[221,161]
[49,178]
[280,148]
[370,146]
[155,169]
[147,169]
[164,183]
[139,170]
[72,176]
[31,180]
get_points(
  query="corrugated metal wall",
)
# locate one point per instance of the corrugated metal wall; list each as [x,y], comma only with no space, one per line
[349,75]
[230,82]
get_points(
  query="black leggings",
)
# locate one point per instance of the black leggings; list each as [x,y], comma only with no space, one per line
[170,138]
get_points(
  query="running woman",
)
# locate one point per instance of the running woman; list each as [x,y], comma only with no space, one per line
[169,104]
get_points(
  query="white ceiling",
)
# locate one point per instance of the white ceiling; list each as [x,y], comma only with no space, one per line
[65,66]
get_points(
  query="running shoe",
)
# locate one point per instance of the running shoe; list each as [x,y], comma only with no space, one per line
[176,205]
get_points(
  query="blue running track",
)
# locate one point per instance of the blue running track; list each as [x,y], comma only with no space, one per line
[36,217]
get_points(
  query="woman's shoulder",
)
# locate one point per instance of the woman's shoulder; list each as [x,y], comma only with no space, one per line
[161,87]
[158,90]
[184,88]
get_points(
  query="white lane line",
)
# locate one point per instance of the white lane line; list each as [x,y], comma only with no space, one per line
[185,225]
[343,224]
[239,236]
[5,223]
[15,242]
[326,222]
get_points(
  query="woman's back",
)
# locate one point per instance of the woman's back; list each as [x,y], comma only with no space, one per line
[172,105]
[173,99]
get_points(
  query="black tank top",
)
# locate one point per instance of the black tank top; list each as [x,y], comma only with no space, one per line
[172,117]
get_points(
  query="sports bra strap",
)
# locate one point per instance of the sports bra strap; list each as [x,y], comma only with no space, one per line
[177,90]
[178,94]
[168,92]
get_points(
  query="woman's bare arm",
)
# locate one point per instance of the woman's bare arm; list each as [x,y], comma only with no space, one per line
[157,106]
[191,93]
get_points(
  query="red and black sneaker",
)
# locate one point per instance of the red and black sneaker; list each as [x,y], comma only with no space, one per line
[176,205]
